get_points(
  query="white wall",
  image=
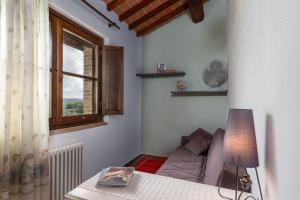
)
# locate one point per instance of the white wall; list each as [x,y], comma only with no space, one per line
[119,141]
[189,47]
[264,69]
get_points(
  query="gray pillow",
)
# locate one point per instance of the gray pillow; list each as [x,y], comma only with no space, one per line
[214,163]
[200,143]
[186,139]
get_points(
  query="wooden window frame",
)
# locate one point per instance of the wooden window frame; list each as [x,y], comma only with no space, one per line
[57,120]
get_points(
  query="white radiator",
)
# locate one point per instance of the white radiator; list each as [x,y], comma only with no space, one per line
[65,169]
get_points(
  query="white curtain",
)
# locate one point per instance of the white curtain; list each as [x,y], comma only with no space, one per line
[24,86]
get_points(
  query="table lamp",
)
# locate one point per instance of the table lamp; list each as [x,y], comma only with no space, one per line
[240,148]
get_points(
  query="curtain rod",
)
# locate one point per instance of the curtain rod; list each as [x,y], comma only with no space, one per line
[110,24]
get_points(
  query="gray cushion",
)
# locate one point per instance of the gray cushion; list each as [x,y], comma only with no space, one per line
[186,139]
[200,143]
[183,164]
[214,164]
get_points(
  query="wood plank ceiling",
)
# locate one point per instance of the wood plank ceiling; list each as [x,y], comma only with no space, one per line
[145,16]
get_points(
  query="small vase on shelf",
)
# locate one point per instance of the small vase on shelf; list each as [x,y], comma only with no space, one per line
[181,85]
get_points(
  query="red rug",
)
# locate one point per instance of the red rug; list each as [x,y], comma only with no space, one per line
[149,165]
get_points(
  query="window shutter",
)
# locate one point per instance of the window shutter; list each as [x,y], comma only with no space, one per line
[112,80]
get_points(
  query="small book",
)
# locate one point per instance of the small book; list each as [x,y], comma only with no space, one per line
[115,176]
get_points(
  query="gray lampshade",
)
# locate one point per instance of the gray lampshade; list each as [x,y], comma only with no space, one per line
[240,146]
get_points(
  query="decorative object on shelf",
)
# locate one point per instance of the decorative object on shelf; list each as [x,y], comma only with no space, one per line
[239,147]
[199,93]
[161,67]
[161,74]
[180,85]
[215,75]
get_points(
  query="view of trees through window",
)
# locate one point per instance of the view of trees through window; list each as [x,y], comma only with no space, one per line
[73,108]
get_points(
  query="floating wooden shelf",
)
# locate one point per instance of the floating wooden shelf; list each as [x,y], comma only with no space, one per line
[161,74]
[198,93]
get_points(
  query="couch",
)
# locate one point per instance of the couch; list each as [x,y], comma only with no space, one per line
[204,168]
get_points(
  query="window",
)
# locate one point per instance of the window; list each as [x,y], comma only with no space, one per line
[76,74]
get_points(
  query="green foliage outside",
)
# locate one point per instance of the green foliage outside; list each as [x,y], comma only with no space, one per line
[73,108]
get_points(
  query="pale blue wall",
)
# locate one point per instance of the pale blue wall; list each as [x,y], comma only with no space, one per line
[190,47]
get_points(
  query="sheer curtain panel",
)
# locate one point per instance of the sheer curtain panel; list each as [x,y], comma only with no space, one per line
[24,99]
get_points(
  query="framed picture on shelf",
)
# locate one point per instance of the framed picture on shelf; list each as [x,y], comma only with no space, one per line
[161,67]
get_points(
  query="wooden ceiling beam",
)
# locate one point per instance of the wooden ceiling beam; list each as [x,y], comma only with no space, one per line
[135,9]
[113,4]
[196,9]
[152,13]
[163,19]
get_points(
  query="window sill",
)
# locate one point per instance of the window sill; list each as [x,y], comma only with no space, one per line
[76,128]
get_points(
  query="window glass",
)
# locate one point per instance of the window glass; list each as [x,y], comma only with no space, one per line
[77,96]
[78,55]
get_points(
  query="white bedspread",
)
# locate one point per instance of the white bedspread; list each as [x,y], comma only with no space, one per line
[144,186]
